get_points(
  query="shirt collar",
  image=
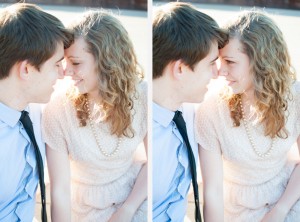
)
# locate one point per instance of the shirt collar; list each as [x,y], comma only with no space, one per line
[9,115]
[162,115]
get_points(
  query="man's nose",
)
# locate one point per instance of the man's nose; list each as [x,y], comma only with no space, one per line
[222,71]
[215,72]
[60,73]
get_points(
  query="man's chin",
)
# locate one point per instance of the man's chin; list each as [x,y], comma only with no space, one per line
[196,100]
[44,99]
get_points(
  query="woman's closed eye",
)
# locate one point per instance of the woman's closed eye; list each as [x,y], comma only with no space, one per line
[229,61]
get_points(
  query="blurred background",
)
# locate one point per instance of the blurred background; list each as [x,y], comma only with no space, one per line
[127,4]
[291,4]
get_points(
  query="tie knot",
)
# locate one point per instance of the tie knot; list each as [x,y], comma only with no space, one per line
[177,112]
[25,119]
[178,115]
[23,113]
[179,121]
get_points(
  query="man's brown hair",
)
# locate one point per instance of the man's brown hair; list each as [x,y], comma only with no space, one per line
[28,33]
[180,31]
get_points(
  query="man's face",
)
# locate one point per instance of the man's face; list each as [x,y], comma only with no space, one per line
[42,81]
[195,83]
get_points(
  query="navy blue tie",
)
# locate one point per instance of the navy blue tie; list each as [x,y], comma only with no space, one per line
[25,120]
[181,126]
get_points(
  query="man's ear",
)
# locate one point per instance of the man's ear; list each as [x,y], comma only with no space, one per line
[177,69]
[23,69]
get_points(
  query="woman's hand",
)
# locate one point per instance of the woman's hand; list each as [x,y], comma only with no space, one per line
[123,214]
[277,214]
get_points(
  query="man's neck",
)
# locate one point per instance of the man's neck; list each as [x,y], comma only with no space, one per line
[164,95]
[11,96]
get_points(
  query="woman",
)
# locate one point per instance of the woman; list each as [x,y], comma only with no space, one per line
[245,133]
[92,132]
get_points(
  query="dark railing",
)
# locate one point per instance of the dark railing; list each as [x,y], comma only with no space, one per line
[288,4]
[126,4]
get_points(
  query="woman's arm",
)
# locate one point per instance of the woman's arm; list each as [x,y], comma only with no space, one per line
[212,175]
[290,196]
[59,174]
[137,196]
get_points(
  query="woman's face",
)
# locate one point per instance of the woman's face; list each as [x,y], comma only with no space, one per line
[235,67]
[81,66]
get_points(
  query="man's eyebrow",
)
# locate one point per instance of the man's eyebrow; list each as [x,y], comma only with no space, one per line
[214,60]
[60,59]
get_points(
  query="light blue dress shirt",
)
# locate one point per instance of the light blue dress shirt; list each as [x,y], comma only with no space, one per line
[171,169]
[18,168]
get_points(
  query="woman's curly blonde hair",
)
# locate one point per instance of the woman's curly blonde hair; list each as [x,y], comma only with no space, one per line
[272,72]
[116,63]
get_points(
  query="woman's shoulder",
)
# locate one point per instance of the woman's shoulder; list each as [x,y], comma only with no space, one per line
[296,87]
[142,92]
[296,93]
[142,87]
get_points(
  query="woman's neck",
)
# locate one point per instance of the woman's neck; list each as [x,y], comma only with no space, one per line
[248,102]
[95,97]
[248,98]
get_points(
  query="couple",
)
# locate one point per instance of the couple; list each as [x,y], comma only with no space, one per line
[242,132]
[91,131]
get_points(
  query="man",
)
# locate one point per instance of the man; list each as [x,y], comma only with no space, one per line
[185,49]
[31,50]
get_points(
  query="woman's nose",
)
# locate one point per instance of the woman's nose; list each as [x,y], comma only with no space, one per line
[68,72]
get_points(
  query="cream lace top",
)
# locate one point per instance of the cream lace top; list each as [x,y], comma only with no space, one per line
[61,132]
[215,132]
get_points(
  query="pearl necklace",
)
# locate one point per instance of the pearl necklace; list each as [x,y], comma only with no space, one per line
[262,155]
[96,136]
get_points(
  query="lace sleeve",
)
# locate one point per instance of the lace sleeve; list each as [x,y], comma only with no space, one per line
[142,104]
[53,125]
[297,103]
[205,127]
